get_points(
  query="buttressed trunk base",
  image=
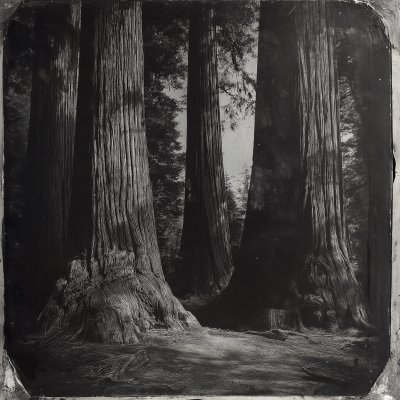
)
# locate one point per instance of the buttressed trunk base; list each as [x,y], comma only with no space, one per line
[116,288]
[114,310]
[327,288]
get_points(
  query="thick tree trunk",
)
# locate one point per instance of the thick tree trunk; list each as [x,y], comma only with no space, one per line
[116,288]
[294,265]
[273,235]
[51,138]
[205,238]
[328,283]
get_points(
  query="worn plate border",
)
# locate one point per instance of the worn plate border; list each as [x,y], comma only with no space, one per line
[387,386]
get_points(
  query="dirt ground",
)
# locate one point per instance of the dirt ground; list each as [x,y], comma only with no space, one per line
[205,362]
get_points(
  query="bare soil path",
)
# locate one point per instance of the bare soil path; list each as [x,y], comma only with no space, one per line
[206,362]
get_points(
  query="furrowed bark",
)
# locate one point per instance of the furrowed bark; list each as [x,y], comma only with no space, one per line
[293,267]
[273,240]
[205,243]
[51,138]
[328,281]
[116,288]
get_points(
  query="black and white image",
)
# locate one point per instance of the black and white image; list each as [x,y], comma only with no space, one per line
[197,197]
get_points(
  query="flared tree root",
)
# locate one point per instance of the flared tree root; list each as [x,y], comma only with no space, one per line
[317,302]
[115,309]
[309,303]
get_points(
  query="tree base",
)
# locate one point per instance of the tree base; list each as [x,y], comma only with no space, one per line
[115,310]
[239,308]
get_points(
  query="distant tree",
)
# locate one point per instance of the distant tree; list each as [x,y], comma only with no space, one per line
[166,164]
[205,244]
[355,177]
[234,215]
[165,36]
[237,206]
[244,190]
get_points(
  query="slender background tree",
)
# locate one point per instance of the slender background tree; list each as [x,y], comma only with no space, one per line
[205,245]
[165,30]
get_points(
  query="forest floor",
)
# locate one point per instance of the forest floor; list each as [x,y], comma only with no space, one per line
[200,363]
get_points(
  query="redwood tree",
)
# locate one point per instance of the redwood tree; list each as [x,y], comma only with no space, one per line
[116,288]
[205,238]
[294,263]
[329,282]
[51,138]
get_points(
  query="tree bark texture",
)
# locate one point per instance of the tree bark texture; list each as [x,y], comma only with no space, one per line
[51,138]
[205,243]
[116,288]
[294,254]
[273,239]
[328,282]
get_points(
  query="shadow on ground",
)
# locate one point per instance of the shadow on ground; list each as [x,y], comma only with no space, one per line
[206,362]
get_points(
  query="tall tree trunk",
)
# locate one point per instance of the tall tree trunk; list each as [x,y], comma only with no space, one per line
[328,280]
[273,239]
[116,288]
[205,238]
[51,138]
[294,264]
